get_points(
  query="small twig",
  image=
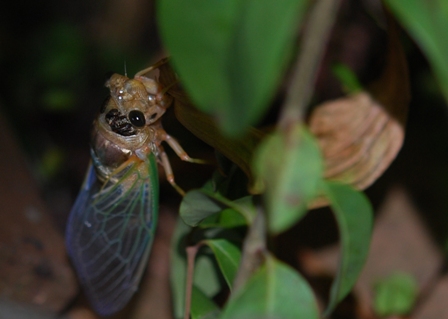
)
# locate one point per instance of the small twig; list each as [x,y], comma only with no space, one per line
[316,35]
[254,249]
[191,255]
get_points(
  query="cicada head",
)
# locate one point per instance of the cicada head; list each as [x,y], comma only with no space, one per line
[134,103]
[127,120]
[141,100]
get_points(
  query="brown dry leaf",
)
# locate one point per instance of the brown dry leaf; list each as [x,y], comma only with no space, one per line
[360,135]
[358,138]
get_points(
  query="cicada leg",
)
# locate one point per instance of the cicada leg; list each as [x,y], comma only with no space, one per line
[180,152]
[169,172]
[175,146]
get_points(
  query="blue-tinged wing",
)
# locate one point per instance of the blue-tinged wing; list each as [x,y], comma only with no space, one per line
[110,233]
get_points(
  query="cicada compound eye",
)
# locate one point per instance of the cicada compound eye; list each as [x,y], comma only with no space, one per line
[137,118]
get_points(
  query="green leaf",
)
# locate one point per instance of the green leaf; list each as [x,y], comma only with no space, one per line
[427,23]
[230,54]
[200,204]
[228,256]
[274,291]
[290,166]
[395,295]
[347,77]
[227,218]
[207,277]
[202,307]
[354,217]
[197,205]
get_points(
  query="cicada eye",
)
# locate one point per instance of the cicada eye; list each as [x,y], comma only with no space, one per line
[137,118]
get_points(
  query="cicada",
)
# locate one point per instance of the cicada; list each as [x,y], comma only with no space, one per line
[112,223]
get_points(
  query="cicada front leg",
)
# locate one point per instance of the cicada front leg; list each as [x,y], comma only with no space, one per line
[169,172]
[177,148]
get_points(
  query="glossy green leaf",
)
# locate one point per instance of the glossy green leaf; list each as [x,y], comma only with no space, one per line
[202,307]
[274,291]
[427,23]
[228,256]
[230,54]
[200,204]
[354,217]
[290,167]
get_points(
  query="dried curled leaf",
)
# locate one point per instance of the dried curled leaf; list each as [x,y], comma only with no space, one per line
[358,138]
[361,135]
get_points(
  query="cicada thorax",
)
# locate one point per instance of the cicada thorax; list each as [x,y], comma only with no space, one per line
[128,122]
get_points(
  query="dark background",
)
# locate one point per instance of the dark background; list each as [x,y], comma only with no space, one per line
[54,56]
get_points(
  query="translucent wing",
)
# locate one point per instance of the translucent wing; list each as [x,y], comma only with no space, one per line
[110,232]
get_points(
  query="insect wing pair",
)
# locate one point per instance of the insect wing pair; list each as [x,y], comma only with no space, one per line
[110,233]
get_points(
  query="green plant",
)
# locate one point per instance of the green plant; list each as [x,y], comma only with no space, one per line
[231,57]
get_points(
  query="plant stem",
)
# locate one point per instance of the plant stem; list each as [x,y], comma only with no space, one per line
[254,249]
[191,255]
[315,37]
